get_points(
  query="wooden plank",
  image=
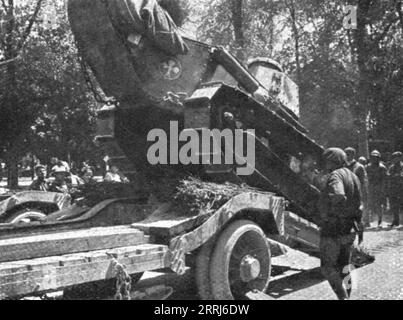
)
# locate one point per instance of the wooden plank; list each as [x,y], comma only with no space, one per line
[69,242]
[166,223]
[277,248]
[168,228]
[80,268]
[58,278]
[302,231]
[30,267]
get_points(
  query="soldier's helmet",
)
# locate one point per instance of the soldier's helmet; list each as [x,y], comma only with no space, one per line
[60,170]
[350,150]
[40,167]
[376,154]
[335,155]
[362,160]
[397,155]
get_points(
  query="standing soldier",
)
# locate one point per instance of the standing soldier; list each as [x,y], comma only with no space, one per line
[396,187]
[377,177]
[363,161]
[359,170]
[341,214]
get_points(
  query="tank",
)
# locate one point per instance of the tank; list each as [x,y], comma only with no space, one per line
[158,76]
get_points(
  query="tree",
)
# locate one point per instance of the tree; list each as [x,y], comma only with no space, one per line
[53,112]
[377,37]
[344,99]
[17,27]
[65,126]
[290,4]
[227,22]
[237,18]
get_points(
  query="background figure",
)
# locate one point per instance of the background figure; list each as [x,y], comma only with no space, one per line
[377,177]
[74,168]
[114,175]
[85,165]
[56,163]
[359,170]
[88,176]
[363,161]
[395,187]
[40,183]
[60,184]
[34,163]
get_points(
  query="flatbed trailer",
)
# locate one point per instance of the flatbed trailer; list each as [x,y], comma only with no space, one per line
[86,245]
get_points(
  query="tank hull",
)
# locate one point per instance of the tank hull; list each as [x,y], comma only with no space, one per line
[194,88]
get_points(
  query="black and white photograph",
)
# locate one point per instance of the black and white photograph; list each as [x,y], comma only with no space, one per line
[210,150]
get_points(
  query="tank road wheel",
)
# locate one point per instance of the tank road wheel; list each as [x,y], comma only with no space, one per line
[26,216]
[241,262]
[202,270]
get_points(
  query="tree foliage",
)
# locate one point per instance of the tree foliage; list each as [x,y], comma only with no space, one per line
[346,76]
[349,79]
[67,116]
[46,109]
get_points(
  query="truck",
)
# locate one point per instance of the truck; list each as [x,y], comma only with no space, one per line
[152,76]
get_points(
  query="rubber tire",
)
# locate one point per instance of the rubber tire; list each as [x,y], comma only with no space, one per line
[24,213]
[220,260]
[202,270]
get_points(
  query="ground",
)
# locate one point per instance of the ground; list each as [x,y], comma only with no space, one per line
[382,280]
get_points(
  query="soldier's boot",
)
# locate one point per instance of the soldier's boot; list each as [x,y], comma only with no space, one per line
[336,282]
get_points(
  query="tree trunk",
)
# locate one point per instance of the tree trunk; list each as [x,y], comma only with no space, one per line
[293,15]
[399,9]
[364,83]
[11,96]
[12,175]
[237,22]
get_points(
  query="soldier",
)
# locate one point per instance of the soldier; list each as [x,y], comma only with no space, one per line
[377,177]
[56,163]
[363,161]
[341,214]
[40,183]
[114,175]
[395,189]
[359,170]
[88,176]
[60,184]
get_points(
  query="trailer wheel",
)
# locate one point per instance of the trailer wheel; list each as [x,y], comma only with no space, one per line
[26,216]
[202,270]
[241,262]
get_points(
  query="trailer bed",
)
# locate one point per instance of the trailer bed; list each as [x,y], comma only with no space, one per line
[63,254]
[40,275]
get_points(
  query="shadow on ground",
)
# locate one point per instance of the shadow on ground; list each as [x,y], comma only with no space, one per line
[294,283]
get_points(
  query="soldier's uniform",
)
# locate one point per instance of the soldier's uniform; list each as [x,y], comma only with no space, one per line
[377,178]
[340,219]
[395,190]
[39,185]
[60,184]
[359,170]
